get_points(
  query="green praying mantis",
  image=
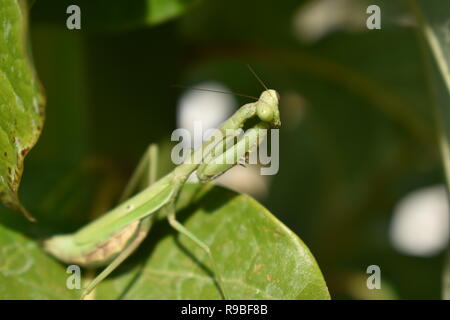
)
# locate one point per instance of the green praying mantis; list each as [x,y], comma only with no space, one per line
[110,239]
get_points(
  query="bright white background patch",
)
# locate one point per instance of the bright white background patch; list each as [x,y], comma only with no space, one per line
[420,224]
[316,19]
[211,108]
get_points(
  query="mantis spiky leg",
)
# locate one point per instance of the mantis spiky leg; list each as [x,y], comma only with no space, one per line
[145,172]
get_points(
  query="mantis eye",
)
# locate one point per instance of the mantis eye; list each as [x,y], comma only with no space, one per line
[264,112]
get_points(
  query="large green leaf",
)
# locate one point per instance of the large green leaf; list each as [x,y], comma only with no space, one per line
[257,256]
[21,101]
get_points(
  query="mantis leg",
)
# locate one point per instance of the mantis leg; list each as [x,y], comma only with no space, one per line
[144,174]
[145,171]
[182,229]
[141,234]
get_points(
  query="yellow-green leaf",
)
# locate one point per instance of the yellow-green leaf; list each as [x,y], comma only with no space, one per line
[21,100]
[257,256]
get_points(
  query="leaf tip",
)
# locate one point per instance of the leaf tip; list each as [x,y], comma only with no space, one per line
[12,201]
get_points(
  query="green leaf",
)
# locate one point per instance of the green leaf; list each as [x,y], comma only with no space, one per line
[21,101]
[113,15]
[434,23]
[257,256]
[435,27]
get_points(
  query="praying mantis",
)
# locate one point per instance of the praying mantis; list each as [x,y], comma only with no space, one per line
[110,239]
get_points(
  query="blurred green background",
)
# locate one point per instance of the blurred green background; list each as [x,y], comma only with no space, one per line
[357,135]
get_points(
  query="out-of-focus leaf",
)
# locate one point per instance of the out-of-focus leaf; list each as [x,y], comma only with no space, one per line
[434,22]
[257,256]
[112,15]
[21,100]
[435,26]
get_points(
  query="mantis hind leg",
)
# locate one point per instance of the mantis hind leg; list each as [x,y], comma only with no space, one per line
[143,176]
[182,229]
[141,234]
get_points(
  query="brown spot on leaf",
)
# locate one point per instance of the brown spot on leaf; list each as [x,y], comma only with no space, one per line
[269,277]
[257,268]
[24,151]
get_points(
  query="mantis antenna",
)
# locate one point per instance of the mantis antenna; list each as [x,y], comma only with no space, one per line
[258,78]
[229,92]
[218,91]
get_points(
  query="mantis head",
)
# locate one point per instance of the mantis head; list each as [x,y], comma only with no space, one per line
[267,108]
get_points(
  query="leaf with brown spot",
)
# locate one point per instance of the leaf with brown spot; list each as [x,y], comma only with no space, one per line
[21,101]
